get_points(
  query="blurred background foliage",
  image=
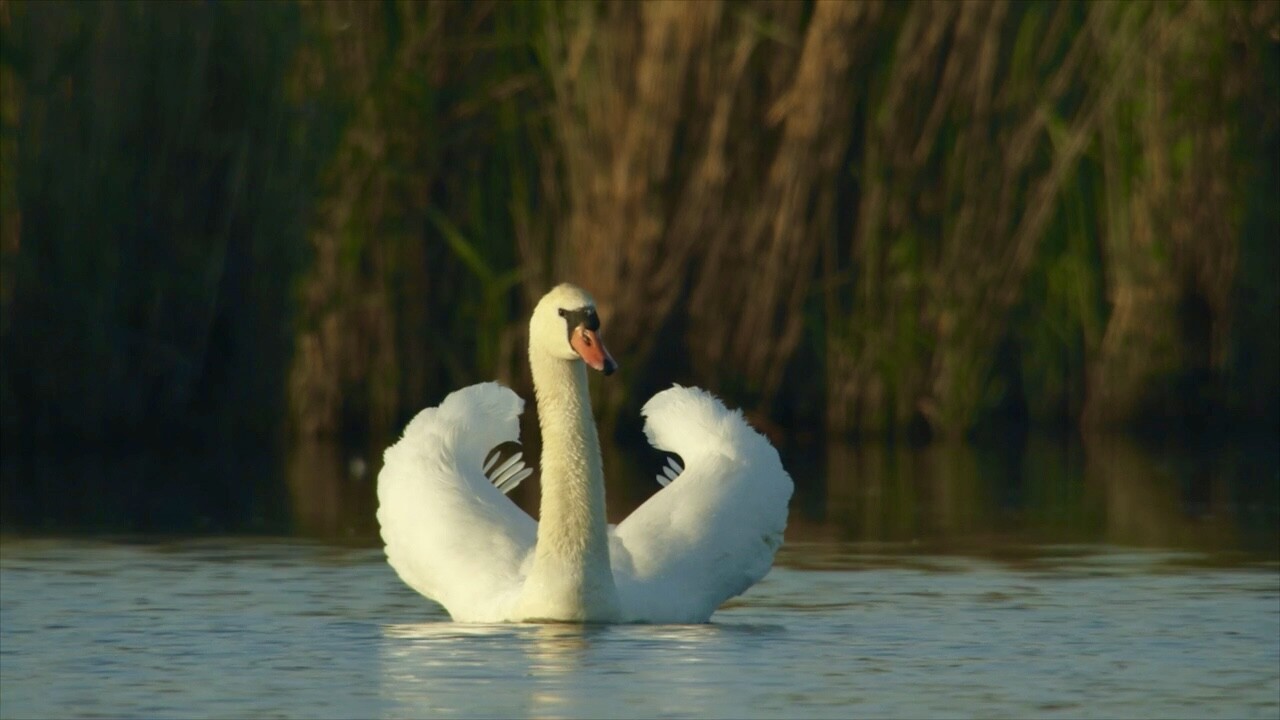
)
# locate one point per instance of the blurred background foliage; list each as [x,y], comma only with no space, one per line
[239,223]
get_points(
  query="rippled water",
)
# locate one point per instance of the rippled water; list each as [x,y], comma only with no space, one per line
[271,628]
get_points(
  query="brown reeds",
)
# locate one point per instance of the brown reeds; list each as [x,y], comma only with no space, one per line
[701,143]
[367,282]
[407,292]
[981,122]
[747,308]
[863,215]
[959,183]
[620,73]
[1170,223]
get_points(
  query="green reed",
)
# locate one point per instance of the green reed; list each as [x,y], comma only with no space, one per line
[864,218]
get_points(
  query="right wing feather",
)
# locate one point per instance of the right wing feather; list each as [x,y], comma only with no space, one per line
[712,530]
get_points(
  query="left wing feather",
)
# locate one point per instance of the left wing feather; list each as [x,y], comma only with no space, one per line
[449,532]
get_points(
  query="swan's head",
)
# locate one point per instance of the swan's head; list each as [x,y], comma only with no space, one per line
[565,326]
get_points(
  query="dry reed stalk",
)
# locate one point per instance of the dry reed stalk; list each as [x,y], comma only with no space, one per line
[941,263]
[620,73]
[1170,242]
[906,292]
[367,285]
[701,143]
[747,305]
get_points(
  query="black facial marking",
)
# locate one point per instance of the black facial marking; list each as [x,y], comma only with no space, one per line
[585,316]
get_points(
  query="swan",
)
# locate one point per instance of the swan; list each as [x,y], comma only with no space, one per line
[451,533]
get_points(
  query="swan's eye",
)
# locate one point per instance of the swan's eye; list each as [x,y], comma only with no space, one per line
[562,312]
[579,322]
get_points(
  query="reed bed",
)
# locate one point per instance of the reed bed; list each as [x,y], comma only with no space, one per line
[858,218]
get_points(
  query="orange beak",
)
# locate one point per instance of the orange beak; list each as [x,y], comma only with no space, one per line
[587,343]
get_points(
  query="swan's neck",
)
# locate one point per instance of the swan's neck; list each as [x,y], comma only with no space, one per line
[571,578]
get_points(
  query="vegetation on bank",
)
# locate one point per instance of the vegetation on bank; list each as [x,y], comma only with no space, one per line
[878,218]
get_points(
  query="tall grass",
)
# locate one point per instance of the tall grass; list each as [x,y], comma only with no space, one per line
[1018,231]
[414,243]
[701,144]
[868,218]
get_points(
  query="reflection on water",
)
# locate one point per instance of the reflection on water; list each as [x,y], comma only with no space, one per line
[265,628]
[424,663]
[333,492]
[959,498]
[1044,580]
[573,671]
[941,498]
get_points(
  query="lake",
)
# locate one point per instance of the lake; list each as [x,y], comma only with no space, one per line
[938,582]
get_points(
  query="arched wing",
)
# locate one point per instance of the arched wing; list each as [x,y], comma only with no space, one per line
[450,532]
[712,531]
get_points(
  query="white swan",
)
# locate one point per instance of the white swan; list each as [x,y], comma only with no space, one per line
[453,535]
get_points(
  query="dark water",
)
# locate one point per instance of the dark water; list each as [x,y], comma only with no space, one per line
[1106,581]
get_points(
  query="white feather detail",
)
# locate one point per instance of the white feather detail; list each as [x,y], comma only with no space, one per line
[453,536]
[698,542]
[449,533]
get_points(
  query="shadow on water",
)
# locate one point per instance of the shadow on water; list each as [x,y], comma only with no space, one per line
[941,498]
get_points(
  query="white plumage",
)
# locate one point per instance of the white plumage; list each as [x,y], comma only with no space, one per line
[456,538]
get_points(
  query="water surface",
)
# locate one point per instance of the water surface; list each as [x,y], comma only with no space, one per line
[1037,580]
[272,628]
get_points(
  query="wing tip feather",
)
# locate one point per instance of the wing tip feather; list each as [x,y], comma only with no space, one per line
[691,420]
